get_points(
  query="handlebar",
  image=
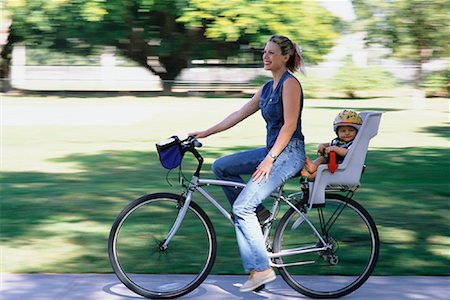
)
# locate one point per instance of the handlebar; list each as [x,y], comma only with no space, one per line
[191,141]
[188,145]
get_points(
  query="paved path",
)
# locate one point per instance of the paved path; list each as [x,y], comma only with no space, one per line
[215,287]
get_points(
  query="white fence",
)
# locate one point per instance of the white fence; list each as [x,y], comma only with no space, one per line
[74,78]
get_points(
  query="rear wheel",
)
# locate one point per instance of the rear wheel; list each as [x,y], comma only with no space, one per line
[143,265]
[353,250]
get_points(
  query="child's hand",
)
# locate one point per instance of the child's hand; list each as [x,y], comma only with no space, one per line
[321,149]
[338,150]
[330,149]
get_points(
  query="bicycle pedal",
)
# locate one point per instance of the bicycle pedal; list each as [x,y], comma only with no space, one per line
[260,288]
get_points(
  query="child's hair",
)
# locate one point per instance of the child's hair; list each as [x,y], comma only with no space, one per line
[347,118]
[295,62]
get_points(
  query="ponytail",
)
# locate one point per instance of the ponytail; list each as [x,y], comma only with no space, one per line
[299,64]
[295,62]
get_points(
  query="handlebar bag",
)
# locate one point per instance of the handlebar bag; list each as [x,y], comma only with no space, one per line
[169,152]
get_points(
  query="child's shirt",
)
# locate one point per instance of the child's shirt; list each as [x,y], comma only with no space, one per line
[341,144]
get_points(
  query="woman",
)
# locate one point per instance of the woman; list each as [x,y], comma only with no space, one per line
[281,103]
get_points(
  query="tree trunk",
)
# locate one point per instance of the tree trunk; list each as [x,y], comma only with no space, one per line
[173,65]
[5,56]
[5,84]
[166,67]
[418,75]
[424,55]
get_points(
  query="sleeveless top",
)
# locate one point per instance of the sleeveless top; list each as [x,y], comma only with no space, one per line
[271,105]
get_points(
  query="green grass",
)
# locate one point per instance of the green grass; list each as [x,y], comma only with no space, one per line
[70,165]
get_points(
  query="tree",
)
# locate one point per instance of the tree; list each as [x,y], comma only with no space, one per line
[164,35]
[415,30]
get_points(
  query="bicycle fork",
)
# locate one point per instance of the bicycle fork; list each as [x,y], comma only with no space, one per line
[181,214]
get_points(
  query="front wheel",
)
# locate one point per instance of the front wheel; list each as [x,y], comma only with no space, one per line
[352,238]
[147,268]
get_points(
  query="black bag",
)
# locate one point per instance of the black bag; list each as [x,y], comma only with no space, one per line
[169,152]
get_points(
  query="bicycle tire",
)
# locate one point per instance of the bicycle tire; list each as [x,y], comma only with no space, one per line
[134,247]
[336,272]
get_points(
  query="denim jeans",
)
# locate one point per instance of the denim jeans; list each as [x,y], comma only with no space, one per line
[231,167]
[248,231]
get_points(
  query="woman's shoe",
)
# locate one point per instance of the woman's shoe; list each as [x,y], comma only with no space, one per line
[262,215]
[257,280]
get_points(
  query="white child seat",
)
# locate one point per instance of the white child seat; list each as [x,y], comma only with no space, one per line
[349,171]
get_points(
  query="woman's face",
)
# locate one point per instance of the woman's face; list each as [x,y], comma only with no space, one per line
[272,57]
[346,133]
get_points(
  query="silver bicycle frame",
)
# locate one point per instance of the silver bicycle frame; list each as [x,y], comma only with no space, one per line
[196,185]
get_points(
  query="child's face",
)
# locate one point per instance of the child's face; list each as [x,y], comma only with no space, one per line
[346,133]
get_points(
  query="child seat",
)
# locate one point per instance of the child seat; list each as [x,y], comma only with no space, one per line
[349,171]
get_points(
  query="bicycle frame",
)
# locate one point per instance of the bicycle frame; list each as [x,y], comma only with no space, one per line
[314,235]
[197,184]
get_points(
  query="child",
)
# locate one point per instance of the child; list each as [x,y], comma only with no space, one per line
[346,125]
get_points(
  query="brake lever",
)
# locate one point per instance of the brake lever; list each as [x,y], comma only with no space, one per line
[197,144]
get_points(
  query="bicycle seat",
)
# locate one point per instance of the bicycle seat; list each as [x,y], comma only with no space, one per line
[349,171]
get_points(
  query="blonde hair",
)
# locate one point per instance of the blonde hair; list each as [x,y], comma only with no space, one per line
[295,62]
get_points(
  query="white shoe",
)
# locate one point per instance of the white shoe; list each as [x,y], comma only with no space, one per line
[257,280]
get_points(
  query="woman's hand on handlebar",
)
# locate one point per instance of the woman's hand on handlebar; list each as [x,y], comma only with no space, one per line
[192,140]
[199,134]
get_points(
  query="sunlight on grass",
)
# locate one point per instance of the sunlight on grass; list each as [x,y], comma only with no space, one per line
[413,263]
[67,174]
[137,124]
[55,246]
[73,227]
[38,254]
[439,245]
[396,235]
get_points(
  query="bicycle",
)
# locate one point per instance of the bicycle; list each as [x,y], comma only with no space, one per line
[321,250]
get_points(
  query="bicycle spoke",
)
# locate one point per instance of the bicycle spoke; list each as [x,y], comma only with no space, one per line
[333,218]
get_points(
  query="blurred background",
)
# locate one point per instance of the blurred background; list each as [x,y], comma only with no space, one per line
[88,87]
[194,45]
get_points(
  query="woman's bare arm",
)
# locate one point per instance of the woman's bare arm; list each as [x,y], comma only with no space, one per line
[232,119]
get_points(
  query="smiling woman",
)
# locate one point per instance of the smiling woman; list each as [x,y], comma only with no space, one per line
[291,54]
[281,102]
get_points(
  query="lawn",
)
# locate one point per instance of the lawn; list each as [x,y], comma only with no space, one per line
[70,164]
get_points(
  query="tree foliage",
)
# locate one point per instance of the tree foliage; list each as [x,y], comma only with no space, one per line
[415,30]
[437,84]
[164,35]
[251,22]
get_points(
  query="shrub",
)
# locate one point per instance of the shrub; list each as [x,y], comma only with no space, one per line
[350,79]
[437,84]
